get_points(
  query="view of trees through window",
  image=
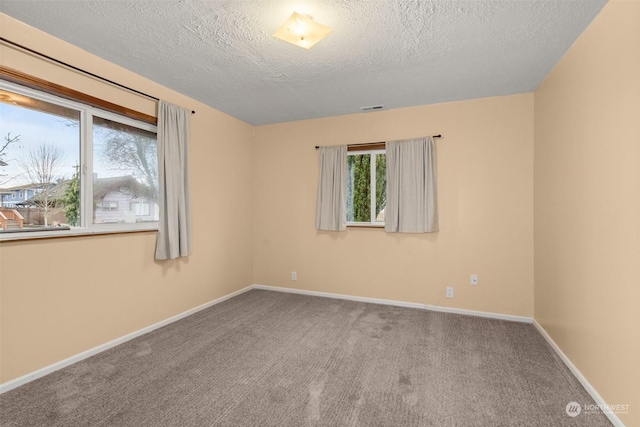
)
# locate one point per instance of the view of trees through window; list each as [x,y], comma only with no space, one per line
[366,187]
[47,178]
[125,166]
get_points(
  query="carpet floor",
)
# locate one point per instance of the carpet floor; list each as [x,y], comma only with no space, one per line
[267,358]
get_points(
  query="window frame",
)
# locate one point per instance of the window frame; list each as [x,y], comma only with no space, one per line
[375,150]
[87,112]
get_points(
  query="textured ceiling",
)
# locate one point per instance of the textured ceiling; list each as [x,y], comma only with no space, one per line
[397,53]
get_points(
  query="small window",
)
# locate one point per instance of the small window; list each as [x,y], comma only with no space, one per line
[140,208]
[109,205]
[366,187]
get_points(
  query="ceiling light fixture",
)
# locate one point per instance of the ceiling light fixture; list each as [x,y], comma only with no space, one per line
[302,31]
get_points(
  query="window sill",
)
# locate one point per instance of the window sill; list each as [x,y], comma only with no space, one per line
[364,225]
[76,232]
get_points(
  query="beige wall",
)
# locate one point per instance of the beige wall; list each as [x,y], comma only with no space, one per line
[62,296]
[587,205]
[485,180]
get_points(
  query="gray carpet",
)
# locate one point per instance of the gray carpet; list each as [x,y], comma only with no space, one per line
[274,359]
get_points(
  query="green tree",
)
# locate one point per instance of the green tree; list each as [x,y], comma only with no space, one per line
[381,183]
[359,187]
[72,199]
[360,198]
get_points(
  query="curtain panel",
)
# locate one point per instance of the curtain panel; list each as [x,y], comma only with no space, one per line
[411,187]
[331,208]
[174,198]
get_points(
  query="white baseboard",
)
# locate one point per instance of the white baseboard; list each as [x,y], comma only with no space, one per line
[10,385]
[399,303]
[587,386]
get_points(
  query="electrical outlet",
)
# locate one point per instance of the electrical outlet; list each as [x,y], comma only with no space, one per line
[294,275]
[449,293]
[474,280]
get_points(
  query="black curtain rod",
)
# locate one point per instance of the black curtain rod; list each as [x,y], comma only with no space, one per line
[376,143]
[73,67]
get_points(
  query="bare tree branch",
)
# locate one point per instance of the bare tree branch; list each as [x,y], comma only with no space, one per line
[134,154]
[42,164]
[8,140]
[3,152]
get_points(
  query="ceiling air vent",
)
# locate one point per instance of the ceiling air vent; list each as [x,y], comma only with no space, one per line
[371,108]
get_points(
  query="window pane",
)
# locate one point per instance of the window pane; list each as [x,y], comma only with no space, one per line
[381,186]
[39,162]
[359,188]
[125,173]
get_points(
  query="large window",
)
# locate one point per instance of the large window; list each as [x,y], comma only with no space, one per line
[73,166]
[366,187]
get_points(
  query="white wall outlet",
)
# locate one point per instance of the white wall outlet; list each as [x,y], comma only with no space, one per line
[449,293]
[474,280]
[294,275]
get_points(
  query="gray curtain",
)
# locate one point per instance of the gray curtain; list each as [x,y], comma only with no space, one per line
[331,209]
[174,229]
[411,187]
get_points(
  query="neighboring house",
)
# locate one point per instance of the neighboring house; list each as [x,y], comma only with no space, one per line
[37,197]
[119,199]
[5,196]
[123,199]
[32,209]
[13,196]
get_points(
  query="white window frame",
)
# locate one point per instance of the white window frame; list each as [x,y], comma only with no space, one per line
[372,195]
[86,226]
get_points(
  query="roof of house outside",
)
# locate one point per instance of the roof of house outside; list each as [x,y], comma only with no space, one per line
[56,195]
[122,184]
[24,187]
